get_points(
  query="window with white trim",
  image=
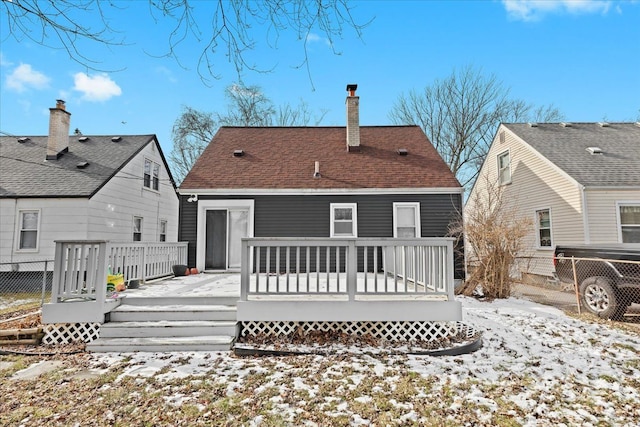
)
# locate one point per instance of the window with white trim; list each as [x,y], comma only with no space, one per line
[504,168]
[29,229]
[163,231]
[137,229]
[344,220]
[151,175]
[543,225]
[629,215]
[406,220]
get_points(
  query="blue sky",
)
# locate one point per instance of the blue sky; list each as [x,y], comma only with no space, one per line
[581,56]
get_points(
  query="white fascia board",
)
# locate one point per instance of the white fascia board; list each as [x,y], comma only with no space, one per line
[323,191]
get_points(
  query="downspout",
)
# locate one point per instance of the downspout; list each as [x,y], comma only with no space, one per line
[585,216]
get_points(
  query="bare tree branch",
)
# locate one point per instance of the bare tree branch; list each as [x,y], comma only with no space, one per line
[460,115]
[226,32]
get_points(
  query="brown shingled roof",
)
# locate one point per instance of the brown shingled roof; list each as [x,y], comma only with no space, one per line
[284,158]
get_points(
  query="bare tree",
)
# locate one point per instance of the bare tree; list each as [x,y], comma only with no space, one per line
[247,106]
[494,237]
[460,115]
[221,29]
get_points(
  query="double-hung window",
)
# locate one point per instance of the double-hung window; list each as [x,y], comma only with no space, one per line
[151,175]
[504,168]
[137,229]
[543,224]
[29,226]
[406,220]
[163,231]
[344,220]
[629,214]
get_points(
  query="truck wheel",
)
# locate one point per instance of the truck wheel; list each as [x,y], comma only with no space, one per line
[599,297]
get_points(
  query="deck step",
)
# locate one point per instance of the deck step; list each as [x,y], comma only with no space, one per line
[168,328]
[217,300]
[142,313]
[161,344]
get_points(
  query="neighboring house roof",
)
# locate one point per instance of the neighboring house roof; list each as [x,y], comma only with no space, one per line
[284,158]
[566,147]
[24,172]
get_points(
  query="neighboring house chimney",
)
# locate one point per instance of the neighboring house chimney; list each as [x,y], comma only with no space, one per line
[353,119]
[58,142]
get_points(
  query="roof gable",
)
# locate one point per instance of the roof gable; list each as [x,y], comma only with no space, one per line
[567,148]
[26,173]
[284,158]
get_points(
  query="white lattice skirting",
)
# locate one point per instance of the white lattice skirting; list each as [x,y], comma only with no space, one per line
[66,333]
[389,331]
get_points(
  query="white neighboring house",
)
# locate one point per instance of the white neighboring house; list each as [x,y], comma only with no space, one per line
[61,187]
[578,182]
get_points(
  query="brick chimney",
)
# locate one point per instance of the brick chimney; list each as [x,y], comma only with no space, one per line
[59,120]
[353,119]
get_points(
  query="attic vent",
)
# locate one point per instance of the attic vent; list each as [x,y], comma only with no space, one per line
[594,150]
[82,165]
[238,153]
[565,125]
[23,139]
[502,137]
[603,124]
[533,125]
[116,139]
[402,151]
[83,139]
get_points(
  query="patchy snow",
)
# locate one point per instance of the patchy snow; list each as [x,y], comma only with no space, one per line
[537,366]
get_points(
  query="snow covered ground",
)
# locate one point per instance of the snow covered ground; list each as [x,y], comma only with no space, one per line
[537,366]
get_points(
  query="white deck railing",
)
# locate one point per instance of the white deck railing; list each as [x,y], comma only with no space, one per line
[81,267]
[350,267]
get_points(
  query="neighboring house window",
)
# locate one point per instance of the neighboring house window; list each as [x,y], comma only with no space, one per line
[29,226]
[163,231]
[344,220]
[543,224]
[504,168]
[406,220]
[630,223]
[151,174]
[137,229]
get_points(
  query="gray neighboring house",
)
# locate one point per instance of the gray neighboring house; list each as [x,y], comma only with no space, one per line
[578,182]
[84,187]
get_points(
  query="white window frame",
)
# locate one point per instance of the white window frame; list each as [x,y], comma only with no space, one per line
[538,229]
[354,219]
[133,234]
[154,181]
[18,241]
[506,153]
[620,204]
[162,232]
[416,207]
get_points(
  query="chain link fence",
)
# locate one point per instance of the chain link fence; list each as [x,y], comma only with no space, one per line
[24,285]
[607,288]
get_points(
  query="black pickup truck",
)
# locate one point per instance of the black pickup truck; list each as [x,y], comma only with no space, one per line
[607,286]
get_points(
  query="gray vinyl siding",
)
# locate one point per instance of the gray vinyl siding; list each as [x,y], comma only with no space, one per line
[308,215]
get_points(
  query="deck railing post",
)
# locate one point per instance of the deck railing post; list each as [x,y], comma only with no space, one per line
[352,269]
[449,273]
[101,277]
[244,269]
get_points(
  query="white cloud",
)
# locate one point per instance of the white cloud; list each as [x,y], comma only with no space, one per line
[24,77]
[313,37]
[533,10]
[164,71]
[4,62]
[96,88]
